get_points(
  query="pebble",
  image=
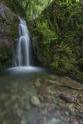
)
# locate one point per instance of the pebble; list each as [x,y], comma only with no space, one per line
[67,98]
[23,121]
[38,83]
[35,101]
[54,121]
[80,114]
[74,121]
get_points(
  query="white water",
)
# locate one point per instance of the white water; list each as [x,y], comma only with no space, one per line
[23,45]
[23,58]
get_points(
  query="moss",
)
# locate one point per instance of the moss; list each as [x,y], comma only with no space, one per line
[14,28]
[5,57]
[59,41]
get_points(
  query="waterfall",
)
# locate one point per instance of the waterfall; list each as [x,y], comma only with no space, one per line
[24,61]
[22,57]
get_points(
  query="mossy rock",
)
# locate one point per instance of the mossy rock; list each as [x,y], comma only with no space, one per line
[8,34]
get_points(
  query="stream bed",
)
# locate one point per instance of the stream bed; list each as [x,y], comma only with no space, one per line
[40,98]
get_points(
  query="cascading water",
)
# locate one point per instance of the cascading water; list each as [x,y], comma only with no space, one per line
[24,59]
[23,45]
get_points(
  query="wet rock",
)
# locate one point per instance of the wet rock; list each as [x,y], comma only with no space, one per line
[23,121]
[5,122]
[8,33]
[19,112]
[27,107]
[81,100]
[80,114]
[38,83]
[72,109]
[51,81]
[35,116]
[55,121]
[67,98]
[74,121]
[80,121]
[35,101]
[67,113]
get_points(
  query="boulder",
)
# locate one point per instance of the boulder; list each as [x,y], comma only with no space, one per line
[8,33]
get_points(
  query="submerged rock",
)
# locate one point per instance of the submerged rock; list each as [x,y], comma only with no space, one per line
[56,121]
[67,98]
[74,121]
[35,101]
[80,114]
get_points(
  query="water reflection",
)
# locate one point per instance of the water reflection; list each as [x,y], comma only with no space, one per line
[22,73]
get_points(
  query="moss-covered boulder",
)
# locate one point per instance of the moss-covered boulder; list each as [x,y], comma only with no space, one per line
[8,32]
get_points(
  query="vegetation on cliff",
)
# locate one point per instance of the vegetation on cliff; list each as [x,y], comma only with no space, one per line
[58,33]
[28,8]
[8,33]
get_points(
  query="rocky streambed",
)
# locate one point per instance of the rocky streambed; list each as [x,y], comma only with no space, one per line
[49,100]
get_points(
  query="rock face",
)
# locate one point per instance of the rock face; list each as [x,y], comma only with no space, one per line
[8,32]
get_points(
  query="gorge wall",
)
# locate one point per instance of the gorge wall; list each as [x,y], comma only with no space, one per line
[8,32]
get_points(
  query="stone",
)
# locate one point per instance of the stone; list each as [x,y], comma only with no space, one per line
[23,121]
[51,81]
[27,107]
[80,114]
[74,121]
[81,100]
[67,98]
[80,121]
[19,112]
[72,109]
[38,83]
[55,121]
[35,101]
[5,122]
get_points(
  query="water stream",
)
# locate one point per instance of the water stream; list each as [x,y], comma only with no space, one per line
[23,46]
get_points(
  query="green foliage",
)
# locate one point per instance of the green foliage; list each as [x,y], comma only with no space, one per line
[34,7]
[64,58]
[48,35]
[28,8]
[59,33]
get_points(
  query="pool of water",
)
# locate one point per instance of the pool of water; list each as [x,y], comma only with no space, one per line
[22,73]
[17,87]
